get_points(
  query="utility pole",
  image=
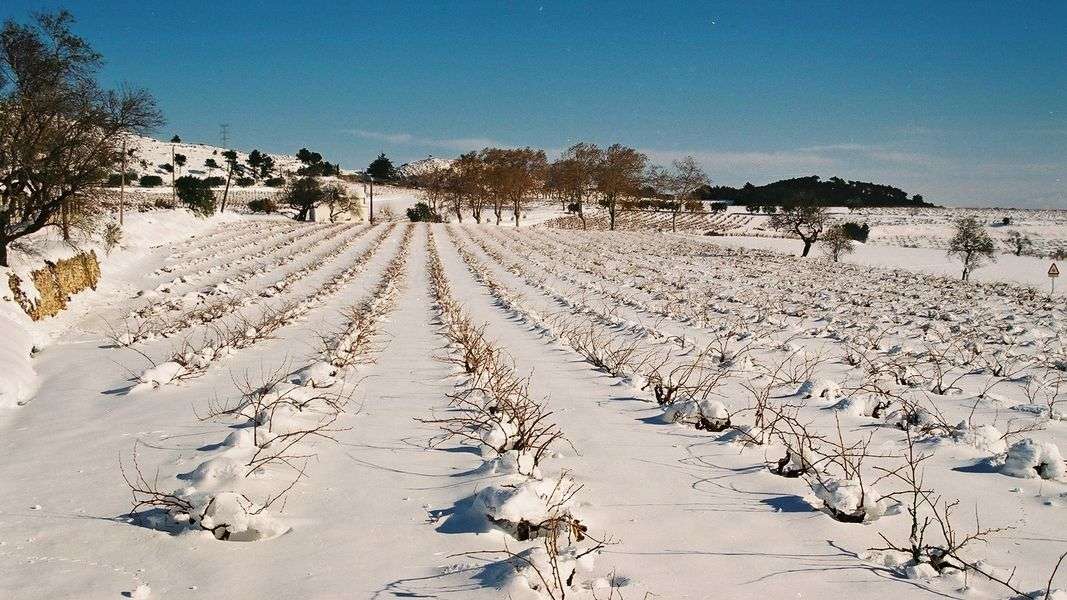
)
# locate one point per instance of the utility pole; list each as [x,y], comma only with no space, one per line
[371,199]
[173,190]
[122,184]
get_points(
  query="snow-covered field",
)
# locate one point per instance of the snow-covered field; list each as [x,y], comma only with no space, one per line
[259,408]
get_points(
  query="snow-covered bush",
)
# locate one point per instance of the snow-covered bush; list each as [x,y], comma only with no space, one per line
[849,500]
[707,415]
[1028,458]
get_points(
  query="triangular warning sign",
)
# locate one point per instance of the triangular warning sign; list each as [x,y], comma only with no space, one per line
[1053,271]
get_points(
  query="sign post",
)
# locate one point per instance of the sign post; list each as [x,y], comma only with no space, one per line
[1053,273]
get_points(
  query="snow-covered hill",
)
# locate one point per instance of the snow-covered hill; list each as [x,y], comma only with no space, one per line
[149,156]
[423,166]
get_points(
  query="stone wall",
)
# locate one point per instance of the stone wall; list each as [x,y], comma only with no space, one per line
[56,283]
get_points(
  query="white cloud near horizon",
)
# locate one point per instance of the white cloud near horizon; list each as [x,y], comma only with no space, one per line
[407,139]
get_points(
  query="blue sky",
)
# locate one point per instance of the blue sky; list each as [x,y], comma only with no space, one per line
[965,103]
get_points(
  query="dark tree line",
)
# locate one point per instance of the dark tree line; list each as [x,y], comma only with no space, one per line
[813,191]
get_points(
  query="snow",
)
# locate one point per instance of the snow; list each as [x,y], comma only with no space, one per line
[381,507]
[1031,459]
[155,153]
[18,381]
[423,166]
[850,498]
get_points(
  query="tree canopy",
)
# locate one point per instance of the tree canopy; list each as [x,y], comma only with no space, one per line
[813,191]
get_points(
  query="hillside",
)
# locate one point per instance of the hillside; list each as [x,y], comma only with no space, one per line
[421,167]
[149,156]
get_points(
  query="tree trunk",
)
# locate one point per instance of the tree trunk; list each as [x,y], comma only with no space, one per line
[3,252]
[173,192]
[807,248]
[674,222]
[226,191]
[518,213]
[611,215]
[64,219]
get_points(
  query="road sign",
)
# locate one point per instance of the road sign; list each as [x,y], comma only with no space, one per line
[1054,271]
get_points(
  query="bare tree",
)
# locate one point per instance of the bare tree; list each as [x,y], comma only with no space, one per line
[511,175]
[576,172]
[807,222]
[468,185]
[683,182]
[972,244]
[837,243]
[434,184]
[619,178]
[60,134]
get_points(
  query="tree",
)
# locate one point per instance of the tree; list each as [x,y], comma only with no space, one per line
[303,194]
[255,161]
[575,175]
[468,185]
[686,179]
[381,168]
[972,244]
[1019,242]
[60,133]
[619,177]
[837,242]
[266,166]
[231,166]
[433,184]
[511,175]
[807,222]
[335,197]
[196,194]
[314,165]
[179,162]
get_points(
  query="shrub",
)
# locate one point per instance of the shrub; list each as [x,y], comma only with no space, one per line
[245,181]
[263,205]
[151,181]
[857,232]
[422,212]
[275,182]
[112,236]
[196,194]
[837,242]
[215,181]
[115,179]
